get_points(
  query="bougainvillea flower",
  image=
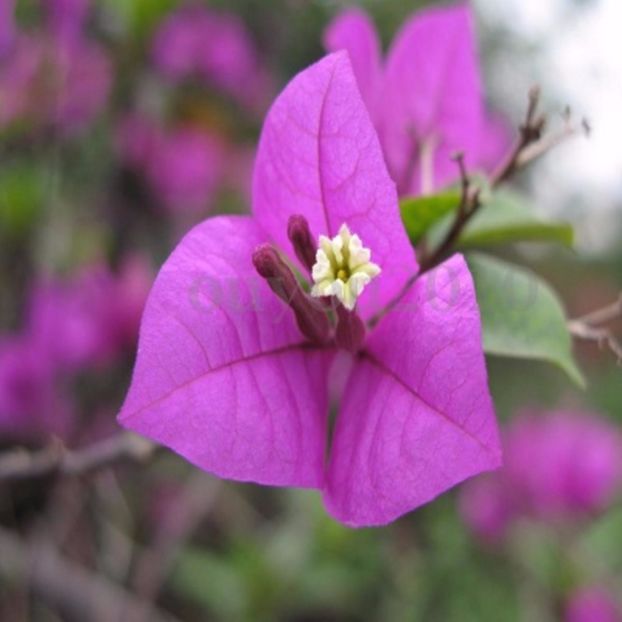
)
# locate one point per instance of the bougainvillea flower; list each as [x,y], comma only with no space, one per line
[52,81]
[66,18]
[425,99]
[488,507]
[72,325]
[185,170]
[82,80]
[7,26]
[558,466]
[53,76]
[564,463]
[238,383]
[183,167]
[31,406]
[592,604]
[195,42]
[90,318]
[64,319]
[130,289]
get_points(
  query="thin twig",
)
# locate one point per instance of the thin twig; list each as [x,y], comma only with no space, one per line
[22,464]
[602,336]
[589,327]
[469,204]
[530,132]
[74,589]
[531,145]
[601,316]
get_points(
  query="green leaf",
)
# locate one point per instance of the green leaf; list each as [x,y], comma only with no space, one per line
[505,218]
[522,316]
[419,214]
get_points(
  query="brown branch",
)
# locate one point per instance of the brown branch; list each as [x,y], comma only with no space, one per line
[469,204]
[531,145]
[530,133]
[602,316]
[602,336]
[589,327]
[72,588]
[22,464]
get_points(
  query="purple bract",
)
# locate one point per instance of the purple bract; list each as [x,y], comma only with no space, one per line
[225,377]
[425,99]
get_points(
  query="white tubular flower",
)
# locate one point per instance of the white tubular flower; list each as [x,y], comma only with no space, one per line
[342,267]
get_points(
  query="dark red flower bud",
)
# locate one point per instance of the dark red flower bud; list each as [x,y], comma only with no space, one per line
[310,315]
[300,236]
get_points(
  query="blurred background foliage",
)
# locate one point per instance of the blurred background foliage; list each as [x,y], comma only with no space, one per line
[229,551]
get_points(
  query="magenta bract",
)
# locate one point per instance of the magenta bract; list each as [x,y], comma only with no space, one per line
[558,466]
[225,378]
[31,407]
[183,166]
[214,47]
[425,99]
[89,319]
[72,326]
[55,76]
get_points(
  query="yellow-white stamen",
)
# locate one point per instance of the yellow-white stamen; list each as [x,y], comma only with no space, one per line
[342,267]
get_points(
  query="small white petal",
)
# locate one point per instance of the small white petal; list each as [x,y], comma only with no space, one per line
[357,282]
[337,249]
[344,232]
[325,244]
[370,269]
[321,268]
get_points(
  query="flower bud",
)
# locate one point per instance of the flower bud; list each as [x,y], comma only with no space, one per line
[299,235]
[310,316]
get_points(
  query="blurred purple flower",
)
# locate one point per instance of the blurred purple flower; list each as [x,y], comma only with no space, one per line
[54,76]
[82,80]
[558,465]
[31,405]
[487,506]
[196,42]
[426,99]
[65,319]
[592,604]
[89,319]
[564,463]
[129,294]
[7,26]
[66,18]
[18,73]
[231,379]
[72,325]
[184,167]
